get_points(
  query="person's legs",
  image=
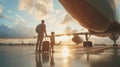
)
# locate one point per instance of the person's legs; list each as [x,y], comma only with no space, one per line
[52,47]
[37,44]
[40,44]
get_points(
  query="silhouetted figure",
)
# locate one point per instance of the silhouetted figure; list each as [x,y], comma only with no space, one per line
[52,39]
[41,30]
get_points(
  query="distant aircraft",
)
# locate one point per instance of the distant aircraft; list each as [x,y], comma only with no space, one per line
[98,16]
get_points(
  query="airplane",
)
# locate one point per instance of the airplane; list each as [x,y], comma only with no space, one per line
[78,40]
[98,16]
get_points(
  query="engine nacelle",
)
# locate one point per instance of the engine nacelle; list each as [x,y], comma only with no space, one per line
[76,39]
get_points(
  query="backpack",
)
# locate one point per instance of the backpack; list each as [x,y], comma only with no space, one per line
[38,28]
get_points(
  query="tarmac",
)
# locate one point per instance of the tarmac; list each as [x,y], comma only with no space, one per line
[64,56]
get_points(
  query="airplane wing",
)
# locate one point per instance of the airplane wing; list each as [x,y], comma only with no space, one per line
[82,33]
[100,34]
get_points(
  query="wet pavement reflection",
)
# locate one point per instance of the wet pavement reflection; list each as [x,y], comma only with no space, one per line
[112,60]
[84,57]
[44,58]
[64,56]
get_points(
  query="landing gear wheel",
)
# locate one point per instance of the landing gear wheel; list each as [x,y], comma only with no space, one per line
[115,45]
[87,44]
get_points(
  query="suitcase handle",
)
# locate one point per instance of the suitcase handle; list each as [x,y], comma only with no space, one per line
[45,38]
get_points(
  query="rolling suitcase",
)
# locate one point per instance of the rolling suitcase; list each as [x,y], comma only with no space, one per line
[46,44]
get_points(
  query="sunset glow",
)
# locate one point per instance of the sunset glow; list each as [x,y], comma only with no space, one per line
[64,38]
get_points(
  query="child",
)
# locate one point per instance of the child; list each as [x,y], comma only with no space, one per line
[52,39]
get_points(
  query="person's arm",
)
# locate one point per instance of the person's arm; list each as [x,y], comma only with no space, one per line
[45,30]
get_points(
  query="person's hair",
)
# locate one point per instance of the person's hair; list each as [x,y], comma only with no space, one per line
[42,21]
[52,32]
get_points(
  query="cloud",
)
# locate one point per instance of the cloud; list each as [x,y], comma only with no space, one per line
[20,30]
[116,2]
[60,12]
[1,9]
[8,18]
[69,30]
[5,16]
[40,8]
[67,18]
[20,19]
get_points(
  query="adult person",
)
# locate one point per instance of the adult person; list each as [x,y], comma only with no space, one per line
[41,30]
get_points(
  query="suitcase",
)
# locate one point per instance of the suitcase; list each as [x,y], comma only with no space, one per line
[45,46]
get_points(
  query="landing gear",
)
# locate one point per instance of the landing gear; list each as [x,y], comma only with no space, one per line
[115,45]
[114,37]
[87,43]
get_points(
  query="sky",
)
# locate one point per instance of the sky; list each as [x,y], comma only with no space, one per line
[18,18]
